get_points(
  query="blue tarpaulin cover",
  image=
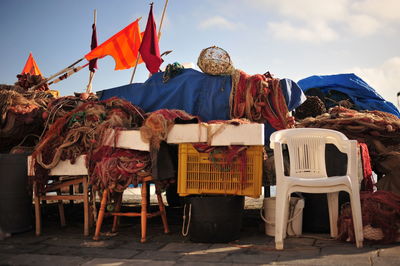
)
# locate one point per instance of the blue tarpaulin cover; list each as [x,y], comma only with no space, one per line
[364,96]
[194,92]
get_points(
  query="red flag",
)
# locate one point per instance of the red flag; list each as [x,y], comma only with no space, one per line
[31,67]
[93,44]
[149,50]
[123,47]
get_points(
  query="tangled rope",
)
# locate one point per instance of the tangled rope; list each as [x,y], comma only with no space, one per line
[380,210]
[259,98]
[82,131]
[158,124]
[116,168]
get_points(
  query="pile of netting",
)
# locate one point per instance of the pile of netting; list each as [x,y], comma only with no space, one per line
[28,81]
[379,130]
[83,131]
[380,216]
[20,115]
[259,98]
[158,124]
[116,168]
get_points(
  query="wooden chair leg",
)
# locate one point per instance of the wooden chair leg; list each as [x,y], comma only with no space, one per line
[61,210]
[85,206]
[38,220]
[117,209]
[71,192]
[143,215]
[101,214]
[163,214]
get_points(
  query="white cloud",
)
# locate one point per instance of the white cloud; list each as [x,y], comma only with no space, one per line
[340,17]
[363,25]
[315,33]
[217,22]
[385,79]
[384,9]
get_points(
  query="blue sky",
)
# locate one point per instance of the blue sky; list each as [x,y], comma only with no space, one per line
[290,38]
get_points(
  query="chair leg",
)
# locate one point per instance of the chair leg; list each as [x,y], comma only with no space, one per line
[163,213]
[333,207]
[101,214]
[357,217]
[38,220]
[282,204]
[117,209]
[61,210]
[143,214]
[85,206]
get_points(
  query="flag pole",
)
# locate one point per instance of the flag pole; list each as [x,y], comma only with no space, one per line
[57,74]
[162,19]
[91,73]
[159,36]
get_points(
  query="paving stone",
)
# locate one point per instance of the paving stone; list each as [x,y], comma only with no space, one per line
[387,261]
[45,260]
[128,262]
[158,255]
[223,248]
[136,245]
[5,257]
[390,251]
[305,253]
[347,249]
[71,242]
[206,257]
[261,258]
[185,247]
[203,263]
[25,238]
[293,242]
[89,252]
[20,248]
[329,260]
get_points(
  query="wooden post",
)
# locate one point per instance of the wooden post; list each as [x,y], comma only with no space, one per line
[159,36]
[91,74]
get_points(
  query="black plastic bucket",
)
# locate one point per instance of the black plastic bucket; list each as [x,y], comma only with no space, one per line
[215,219]
[15,195]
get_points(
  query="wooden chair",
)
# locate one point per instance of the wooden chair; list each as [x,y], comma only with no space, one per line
[144,214]
[63,176]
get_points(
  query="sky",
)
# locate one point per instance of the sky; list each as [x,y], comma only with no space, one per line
[291,39]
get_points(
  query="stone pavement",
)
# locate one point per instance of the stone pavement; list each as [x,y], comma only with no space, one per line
[68,246]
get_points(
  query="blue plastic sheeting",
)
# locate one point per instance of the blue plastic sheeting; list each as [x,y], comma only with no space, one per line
[358,90]
[194,92]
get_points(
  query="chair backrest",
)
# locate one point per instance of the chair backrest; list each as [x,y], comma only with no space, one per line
[307,151]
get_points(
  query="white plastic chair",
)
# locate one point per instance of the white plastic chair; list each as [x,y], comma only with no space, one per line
[308,174]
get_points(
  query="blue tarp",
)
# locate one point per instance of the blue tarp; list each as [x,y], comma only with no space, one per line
[364,96]
[194,92]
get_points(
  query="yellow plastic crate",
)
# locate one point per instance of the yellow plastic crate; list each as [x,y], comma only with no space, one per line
[198,174]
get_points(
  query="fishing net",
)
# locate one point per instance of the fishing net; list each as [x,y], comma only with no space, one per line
[380,215]
[259,98]
[20,114]
[82,131]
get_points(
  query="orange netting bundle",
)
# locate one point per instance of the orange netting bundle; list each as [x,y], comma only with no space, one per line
[380,216]
[259,98]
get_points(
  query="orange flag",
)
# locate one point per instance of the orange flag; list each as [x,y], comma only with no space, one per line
[123,47]
[31,67]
